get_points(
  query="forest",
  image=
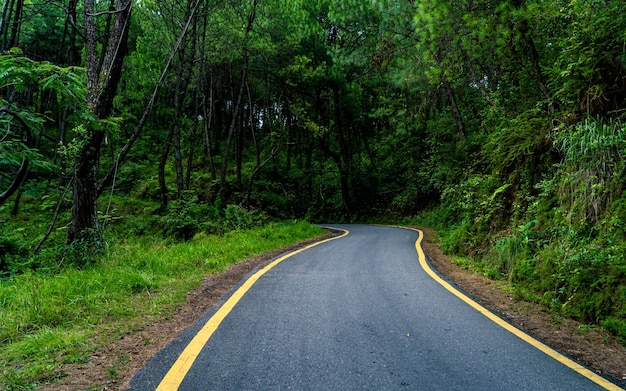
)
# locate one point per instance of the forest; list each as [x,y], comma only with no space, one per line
[500,123]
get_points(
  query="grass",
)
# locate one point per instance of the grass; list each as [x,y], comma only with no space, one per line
[46,319]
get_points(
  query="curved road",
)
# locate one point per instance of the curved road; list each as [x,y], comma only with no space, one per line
[355,313]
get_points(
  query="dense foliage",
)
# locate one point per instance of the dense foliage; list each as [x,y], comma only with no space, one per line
[499,122]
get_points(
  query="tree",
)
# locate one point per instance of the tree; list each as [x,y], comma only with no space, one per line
[102,82]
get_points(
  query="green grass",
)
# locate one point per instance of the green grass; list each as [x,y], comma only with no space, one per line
[46,319]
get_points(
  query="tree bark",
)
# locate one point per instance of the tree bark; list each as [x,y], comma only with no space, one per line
[73,55]
[7,10]
[16,24]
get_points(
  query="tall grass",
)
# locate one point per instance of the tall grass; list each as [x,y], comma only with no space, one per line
[46,319]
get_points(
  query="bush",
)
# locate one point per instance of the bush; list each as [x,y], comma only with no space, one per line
[616,326]
[186,217]
[237,218]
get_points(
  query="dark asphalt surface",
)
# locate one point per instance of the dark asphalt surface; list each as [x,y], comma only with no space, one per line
[359,313]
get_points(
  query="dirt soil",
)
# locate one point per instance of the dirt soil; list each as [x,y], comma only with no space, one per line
[112,368]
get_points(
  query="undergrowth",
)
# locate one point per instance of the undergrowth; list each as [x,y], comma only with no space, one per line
[559,236]
[48,317]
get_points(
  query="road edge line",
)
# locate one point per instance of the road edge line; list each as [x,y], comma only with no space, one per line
[599,380]
[177,372]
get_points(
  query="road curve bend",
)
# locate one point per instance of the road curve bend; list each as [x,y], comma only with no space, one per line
[361,312]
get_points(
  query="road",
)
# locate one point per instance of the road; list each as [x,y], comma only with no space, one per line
[354,313]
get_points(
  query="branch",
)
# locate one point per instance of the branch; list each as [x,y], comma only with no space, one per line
[23,171]
[110,12]
[16,115]
[19,178]
[256,171]
[54,219]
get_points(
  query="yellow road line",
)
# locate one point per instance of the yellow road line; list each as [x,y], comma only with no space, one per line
[178,371]
[602,382]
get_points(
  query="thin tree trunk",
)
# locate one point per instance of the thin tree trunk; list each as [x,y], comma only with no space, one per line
[73,54]
[257,170]
[7,10]
[17,181]
[192,142]
[242,81]
[182,85]
[456,113]
[178,160]
[62,157]
[162,162]
[231,129]
[343,158]
[17,24]
[524,30]
[54,219]
[253,126]
[449,92]
[208,121]
[207,112]
[22,172]
[239,148]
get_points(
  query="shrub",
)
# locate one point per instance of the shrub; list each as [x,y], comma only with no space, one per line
[237,218]
[186,217]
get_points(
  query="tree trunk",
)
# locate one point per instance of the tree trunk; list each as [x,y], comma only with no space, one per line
[101,88]
[7,9]
[449,91]
[237,106]
[208,121]
[231,129]
[17,181]
[257,150]
[192,141]
[524,30]
[22,172]
[343,158]
[162,162]
[534,58]
[17,23]
[107,32]
[456,113]
[73,55]
[239,149]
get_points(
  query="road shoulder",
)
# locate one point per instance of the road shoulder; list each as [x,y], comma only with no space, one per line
[596,349]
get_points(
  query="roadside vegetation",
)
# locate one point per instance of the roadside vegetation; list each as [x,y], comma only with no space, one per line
[53,311]
[563,243]
[130,137]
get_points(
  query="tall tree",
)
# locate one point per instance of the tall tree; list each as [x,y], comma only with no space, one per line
[102,82]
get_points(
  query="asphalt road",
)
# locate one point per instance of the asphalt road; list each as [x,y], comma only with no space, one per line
[358,313]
